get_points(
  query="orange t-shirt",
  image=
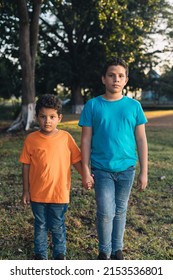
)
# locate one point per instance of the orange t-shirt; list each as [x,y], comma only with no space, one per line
[50,159]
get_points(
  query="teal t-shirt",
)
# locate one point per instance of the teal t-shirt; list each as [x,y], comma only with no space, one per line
[113,146]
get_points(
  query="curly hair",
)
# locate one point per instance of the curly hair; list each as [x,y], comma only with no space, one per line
[115,61]
[48,101]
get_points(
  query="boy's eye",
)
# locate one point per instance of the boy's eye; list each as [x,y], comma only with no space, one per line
[120,75]
[44,117]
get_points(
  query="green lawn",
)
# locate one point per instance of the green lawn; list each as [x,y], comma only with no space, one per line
[149,229]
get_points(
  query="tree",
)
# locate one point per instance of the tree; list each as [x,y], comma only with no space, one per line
[75,39]
[128,27]
[71,38]
[28,15]
[80,35]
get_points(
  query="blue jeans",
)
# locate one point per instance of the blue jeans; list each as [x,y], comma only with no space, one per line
[112,191]
[49,216]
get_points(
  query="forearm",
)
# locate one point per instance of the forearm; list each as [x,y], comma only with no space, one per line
[87,179]
[78,167]
[25,174]
[26,192]
[86,148]
[142,148]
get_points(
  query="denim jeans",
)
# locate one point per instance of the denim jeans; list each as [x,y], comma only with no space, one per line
[112,191]
[49,216]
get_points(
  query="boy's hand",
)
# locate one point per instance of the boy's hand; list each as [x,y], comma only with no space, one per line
[26,198]
[90,184]
[88,181]
[142,182]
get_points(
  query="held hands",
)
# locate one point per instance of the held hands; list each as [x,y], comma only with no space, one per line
[87,181]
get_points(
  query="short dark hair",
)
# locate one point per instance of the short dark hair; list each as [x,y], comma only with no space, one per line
[115,61]
[48,101]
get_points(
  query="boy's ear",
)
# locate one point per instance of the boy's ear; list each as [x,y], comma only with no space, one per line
[127,80]
[103,79]
[60,117]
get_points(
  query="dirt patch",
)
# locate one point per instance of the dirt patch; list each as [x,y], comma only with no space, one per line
[160,121]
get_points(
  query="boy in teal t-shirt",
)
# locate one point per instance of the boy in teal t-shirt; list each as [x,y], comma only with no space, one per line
[113,126]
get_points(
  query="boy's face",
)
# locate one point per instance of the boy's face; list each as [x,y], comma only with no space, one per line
[48,120]
[115,79]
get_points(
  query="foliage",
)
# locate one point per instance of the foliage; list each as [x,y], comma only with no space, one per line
[76,36]
[73,44]
[127,27]
[162,85]
[80,36]
[9,29]
[166,85]
[149,227]
[9,79]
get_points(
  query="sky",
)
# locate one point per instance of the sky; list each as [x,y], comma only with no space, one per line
[160,44]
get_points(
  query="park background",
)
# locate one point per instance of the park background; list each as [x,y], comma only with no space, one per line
[60,47]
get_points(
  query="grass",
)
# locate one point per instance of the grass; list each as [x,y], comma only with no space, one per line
[149,229]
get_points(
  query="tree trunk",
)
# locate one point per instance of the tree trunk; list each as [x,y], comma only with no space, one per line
[29,30]
[24,119]
[77,100]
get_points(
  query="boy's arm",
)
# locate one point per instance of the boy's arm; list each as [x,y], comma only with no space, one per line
[87,178]
[78,167]
[25,174]
[142,149]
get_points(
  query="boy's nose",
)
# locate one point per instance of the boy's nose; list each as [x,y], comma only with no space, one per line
[115,78]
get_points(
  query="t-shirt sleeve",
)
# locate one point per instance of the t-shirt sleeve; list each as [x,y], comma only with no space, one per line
[141,118]
[25,155]
[86,115]
[75,151]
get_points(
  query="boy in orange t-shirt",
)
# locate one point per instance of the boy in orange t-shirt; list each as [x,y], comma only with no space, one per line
[47,157]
